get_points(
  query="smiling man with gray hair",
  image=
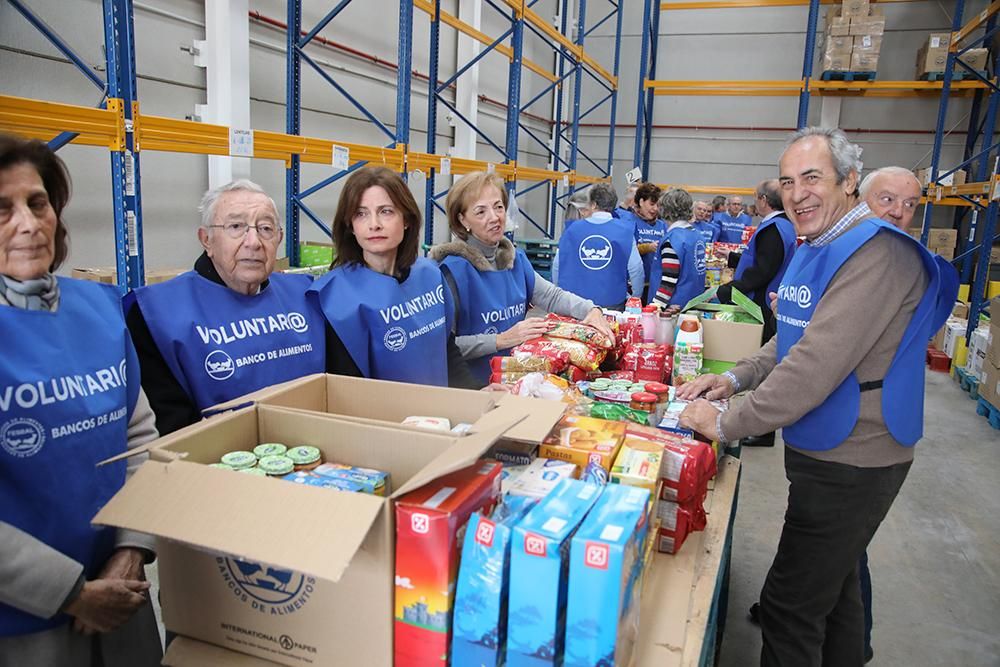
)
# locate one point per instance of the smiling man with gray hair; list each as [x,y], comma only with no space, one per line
[844,379]
[230,326]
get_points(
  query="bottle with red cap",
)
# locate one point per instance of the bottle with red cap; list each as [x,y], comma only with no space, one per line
[650,318]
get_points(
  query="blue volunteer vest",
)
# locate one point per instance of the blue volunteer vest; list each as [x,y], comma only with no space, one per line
[807,278]
[593,260]
[747,259]
[731,229]
[69,381]
[488,301]
[220,344]
[393,331]
[651,233]
[708,230]
[690,249]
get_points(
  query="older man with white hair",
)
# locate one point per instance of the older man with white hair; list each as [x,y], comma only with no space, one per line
[230,326]
[844,379]
[893,194]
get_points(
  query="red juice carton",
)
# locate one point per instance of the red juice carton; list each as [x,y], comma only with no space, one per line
[429,525]
[539,558]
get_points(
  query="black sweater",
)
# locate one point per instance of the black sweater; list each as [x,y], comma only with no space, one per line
[768,258]
[175,409]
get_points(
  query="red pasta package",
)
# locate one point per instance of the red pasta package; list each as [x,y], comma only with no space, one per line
[540,347]
[574,374]
[686,467]
[521,364]
[676,523]
[647,360]
[579,354]
[506,378]
[561,327]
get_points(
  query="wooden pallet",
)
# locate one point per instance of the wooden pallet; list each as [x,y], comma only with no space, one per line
[992,414]
[831,75]
[958,75]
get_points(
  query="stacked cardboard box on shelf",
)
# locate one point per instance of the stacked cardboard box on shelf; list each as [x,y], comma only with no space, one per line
[957,178]
[853,37]
[932,57]
[940,241]
[989,383]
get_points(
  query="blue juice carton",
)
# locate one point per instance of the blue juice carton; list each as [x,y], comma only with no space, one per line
[479,629]
[606,563]
[539,559]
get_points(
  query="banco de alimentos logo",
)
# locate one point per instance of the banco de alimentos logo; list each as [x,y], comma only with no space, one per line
[266,584]
[596,252]
[22,437]
[395,339]
[219,365]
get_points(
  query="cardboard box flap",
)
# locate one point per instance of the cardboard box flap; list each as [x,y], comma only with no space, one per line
[254,396]
[187,652]
[292,527]
[541,417]
[740,300]
[466,451]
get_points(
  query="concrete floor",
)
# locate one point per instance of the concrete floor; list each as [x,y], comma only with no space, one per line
[935,561]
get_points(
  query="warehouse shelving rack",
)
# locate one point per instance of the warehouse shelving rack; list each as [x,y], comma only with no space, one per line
[120,127]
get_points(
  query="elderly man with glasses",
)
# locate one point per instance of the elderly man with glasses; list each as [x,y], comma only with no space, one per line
[230,326]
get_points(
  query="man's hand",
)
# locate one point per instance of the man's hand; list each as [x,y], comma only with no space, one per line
[596,319]
[125,565]
[526,329]
[105,604]
[701,417]
[714,387]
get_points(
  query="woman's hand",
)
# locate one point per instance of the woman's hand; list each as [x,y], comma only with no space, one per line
[526,329]
[107,602]
[596,319]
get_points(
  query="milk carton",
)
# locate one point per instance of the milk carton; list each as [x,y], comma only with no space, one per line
[539,559]
[602,617]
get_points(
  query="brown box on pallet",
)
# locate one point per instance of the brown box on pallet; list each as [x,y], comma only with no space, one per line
[989,385]
[931,60]
[872,43]
[862,61]
[835,45]
[854,8]
[974,58]
[837,62]
[958,178]
[108,274]
[868,25]
[993,350]
[293,574]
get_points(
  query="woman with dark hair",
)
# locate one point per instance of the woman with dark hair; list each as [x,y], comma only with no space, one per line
[70,594]
[385,307]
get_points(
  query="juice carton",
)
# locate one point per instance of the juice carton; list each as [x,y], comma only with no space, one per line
[638,464]
[606,563]
[428,540]
[581,440]
[374,482]
[479,633]
[538,562]
[538,479]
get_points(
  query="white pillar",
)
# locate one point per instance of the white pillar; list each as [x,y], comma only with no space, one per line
[829,111]
[467,86]
[226,56]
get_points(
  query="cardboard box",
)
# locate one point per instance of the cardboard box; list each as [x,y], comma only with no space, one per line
[953,330]
[582,440]
[109,275]
[938,40]
[294,595]
[960,310]
[382,403]
[867,25]
[931,60]
[480,636]
[862,61]
[854,8]
[606,558]
[838,45]
[993,350]
[837,62]
[428,522]
[957,178]
[978,347]
[989,385]
[869,43]
[538,583]
[974,58]
[728,341]
[837,24]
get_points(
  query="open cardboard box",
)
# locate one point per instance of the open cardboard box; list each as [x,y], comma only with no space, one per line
[378,402]
[294,574]
[728,342]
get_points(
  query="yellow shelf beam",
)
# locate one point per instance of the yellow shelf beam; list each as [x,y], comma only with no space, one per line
[974,24]
[982,189]
[792,87]
[746,4]
[482,38]
[709,189]
[45,120]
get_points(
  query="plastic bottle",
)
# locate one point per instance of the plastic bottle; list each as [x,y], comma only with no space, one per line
[649,324]
[665,329]
[688,330]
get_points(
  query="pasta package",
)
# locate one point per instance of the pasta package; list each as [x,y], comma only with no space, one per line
[686,467]
[506,378]
[578,331]
[522,364]
[541,348]
[581,355]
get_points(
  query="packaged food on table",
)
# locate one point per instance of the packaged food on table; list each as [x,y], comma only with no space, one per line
[541,385]
[305,457]
[676,523]
[594,474]
[578,331]
[253,471]
[540,347]
[688,360]
[687,465]
[506,378]
[617,375]
[581,355]
[429,423]
[307,478]
[584,439]
[648,361]
[269,449]
[374,482]
[638,463]
[540,477]
[522,363]
[618,412]
[276,465]
[574,374]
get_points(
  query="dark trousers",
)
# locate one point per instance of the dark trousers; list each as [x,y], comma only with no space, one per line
[811,614]
[865,575]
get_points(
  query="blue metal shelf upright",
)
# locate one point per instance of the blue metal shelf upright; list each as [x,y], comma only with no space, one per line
[400,137]
[571,62]
[983,225]
[118,95]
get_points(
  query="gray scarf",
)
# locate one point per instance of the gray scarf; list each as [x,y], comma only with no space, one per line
[35,294]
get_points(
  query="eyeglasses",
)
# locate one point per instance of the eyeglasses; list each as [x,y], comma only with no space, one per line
[266,231]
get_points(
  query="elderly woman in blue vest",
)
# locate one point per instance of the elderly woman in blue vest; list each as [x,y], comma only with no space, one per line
[650,230]
[230,326]
[597,257]
[682,255]
[70,594]
[492,285]
[386,307]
